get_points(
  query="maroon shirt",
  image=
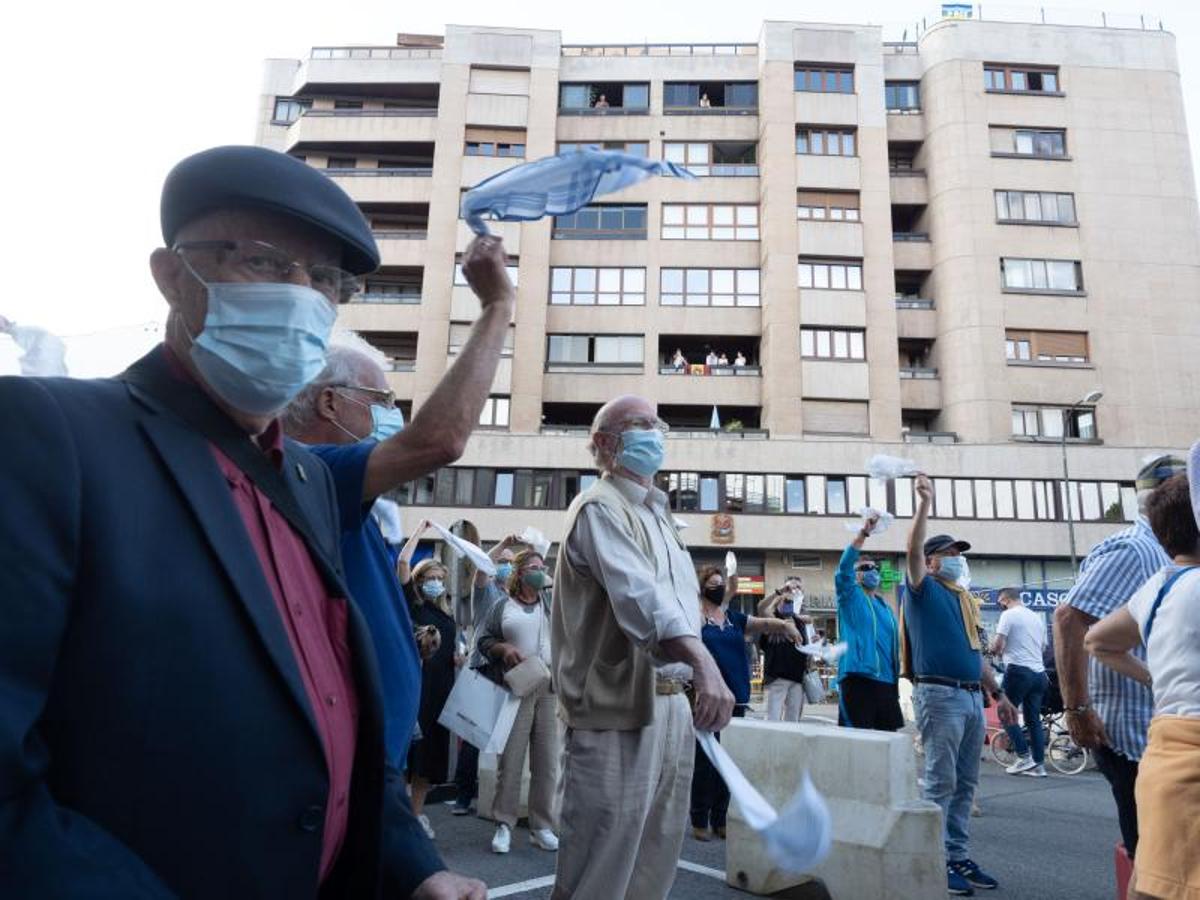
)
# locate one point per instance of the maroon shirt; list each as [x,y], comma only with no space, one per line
[315,622]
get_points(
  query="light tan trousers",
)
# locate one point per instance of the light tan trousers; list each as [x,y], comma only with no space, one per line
[536,729]
[625,804]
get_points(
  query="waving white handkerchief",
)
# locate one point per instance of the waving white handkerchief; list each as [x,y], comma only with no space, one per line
[884,467]
[465,548]
[865,513]
[795,841]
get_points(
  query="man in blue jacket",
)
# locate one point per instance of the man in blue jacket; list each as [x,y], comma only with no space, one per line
[189,697]
[868,672]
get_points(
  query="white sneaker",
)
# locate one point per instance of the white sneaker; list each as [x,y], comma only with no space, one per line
[544,838]
[502,841]
[1036,772]
[424,820]
[1023,764]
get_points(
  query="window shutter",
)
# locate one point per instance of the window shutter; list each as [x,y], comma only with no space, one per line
[835,417]
[1061,343]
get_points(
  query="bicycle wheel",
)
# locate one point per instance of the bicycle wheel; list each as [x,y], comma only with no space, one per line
[1002,749]
[1066,756]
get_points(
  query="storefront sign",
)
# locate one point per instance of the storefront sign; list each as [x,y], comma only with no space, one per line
[1033,598]
[751,584]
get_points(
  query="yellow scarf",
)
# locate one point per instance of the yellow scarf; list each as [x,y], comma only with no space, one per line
[970,616]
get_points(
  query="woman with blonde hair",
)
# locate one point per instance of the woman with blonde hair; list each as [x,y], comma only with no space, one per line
[514,640]
[432,614]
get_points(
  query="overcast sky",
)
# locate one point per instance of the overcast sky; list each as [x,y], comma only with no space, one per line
[103,98]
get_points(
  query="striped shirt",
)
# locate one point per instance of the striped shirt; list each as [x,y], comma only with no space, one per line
[1112,573]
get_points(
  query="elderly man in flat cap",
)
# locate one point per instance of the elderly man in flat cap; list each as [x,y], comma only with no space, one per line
[189,700]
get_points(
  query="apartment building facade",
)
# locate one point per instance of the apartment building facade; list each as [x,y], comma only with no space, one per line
[940,250]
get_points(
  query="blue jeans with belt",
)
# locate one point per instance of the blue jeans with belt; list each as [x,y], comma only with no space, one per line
[951,723]
[1026,689]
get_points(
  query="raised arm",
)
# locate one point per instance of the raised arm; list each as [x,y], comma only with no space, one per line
[1110,641]
[404,562]
[438,432]
[916,533]
[767,605]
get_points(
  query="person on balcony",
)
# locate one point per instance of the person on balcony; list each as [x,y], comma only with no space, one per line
[601,102]
[722,360]
[740,360]
[705,103]
[712,359]
[679,361]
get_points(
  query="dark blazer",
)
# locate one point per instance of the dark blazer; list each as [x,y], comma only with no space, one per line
[155,736]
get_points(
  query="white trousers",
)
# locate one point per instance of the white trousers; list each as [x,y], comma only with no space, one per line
[785,700]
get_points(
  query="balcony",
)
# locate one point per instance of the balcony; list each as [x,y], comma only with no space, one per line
[930,437]
[695,421]
[912,250]
[710,98]
[604,98]
[907,126]
[358,70]
[920,389]
[659,50]
[410,185]
[909,187]
[916,319]
[324,126]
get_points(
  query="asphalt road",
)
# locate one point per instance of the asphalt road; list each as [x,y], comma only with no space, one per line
[1044,839]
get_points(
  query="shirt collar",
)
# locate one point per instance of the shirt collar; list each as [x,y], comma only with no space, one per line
[637,494]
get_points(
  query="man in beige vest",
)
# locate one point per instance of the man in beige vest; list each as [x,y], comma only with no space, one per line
[625,639]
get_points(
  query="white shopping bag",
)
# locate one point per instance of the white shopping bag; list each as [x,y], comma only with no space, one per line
[474,708]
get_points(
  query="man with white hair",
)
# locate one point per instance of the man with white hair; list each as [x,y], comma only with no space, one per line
[625,638]
[1107,712]
[349,417]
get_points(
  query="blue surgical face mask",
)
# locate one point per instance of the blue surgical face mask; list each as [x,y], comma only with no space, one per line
[642,452]
[871,579]
[385,421]
[262,343]
[433,588]
[503,571]
[952,568]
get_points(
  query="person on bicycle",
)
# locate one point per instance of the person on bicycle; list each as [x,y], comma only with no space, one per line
[1020,640]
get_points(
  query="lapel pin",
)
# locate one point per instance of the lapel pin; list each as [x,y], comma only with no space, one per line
[303,476]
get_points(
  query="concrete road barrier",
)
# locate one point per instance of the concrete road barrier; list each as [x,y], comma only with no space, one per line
[887,841]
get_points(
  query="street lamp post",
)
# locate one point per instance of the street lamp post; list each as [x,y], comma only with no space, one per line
[1091,399]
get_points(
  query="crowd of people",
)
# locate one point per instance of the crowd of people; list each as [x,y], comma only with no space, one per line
[712,359]
[219,679]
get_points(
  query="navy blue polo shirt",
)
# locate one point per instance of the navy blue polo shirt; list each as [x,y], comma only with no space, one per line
[728,647]
[372,580]
[937,637]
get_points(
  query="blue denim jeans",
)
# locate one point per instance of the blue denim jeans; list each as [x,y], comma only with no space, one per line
[1026,689]
[951,724]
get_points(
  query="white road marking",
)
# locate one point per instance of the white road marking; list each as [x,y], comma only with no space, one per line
[522,887]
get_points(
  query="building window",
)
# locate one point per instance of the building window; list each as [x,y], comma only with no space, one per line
[832,343]
[1047,143]
[512,267]
[495,412]
[288,110]
[1020,79]
[1035,206]
[709,287]
[603,221]
[817,141]
[822,79]
[1048,421]
[699,95]
[710,222]
[1046,346]
[830,274]
[902,96]
[603,97]
[723,158]
[584,350]
[494,148]
[839,206]
[587,286]
[400,347]
[460,333]
[633,148]
[341,162]
[1034,275]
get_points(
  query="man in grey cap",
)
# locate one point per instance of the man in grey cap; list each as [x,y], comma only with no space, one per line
[941,653]
[1107,712]
[189,699]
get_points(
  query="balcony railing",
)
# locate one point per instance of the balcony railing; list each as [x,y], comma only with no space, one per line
[918,372]
[368,113]
[742,434]
[724,170]
[401,297]
[604,111]
[375,53]
[406,171]
[914,303]
[911,237]
[903,172]
[710,111]
[709,371]
[406,235]
[660,49]
[930,437]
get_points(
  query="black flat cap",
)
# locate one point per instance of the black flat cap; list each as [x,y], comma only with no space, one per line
[940,543]
[258,178]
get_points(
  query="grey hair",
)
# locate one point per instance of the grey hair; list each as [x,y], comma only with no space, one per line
[602,421]
[344,360]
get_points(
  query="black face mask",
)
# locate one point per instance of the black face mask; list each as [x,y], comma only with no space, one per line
[715,594]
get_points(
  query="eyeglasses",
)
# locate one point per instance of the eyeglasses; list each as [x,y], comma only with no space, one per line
[260,261]
[384,398]
[641,423]
[868,567]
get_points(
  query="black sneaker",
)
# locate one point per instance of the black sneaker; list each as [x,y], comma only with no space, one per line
[974,875]
[460,808]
